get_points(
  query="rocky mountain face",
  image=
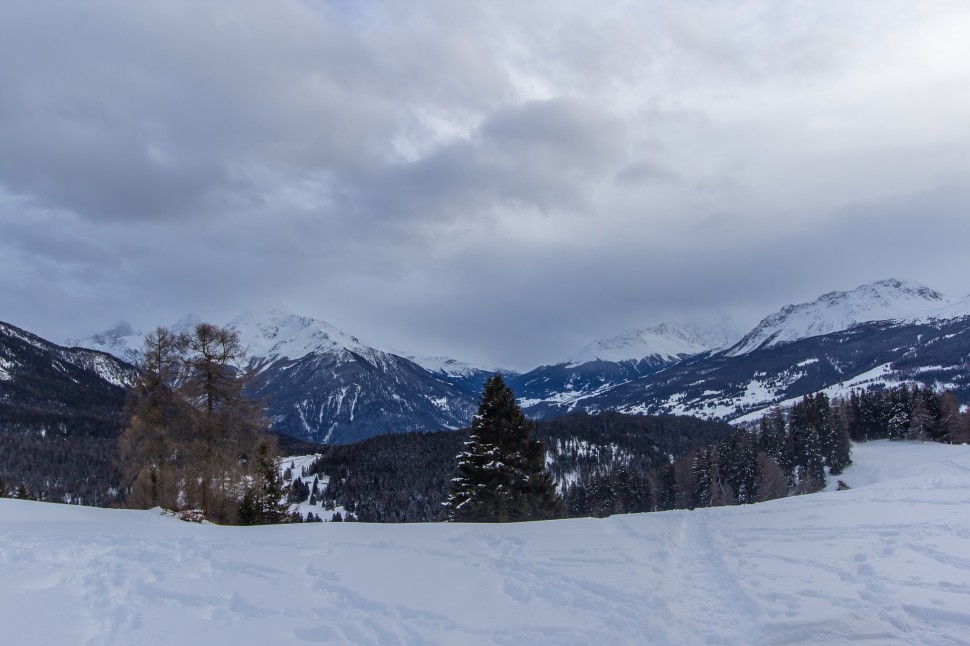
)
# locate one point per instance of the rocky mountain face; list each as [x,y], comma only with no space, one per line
[326,386]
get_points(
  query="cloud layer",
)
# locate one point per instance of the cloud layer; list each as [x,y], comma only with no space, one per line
[498,181]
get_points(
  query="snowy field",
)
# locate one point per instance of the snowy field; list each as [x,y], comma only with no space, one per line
[886,562]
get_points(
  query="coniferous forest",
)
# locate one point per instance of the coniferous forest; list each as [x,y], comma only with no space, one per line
[787,452]
[614,463]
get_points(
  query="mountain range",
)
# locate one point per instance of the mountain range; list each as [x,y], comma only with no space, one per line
[327,386]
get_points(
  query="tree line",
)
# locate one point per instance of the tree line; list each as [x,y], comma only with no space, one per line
[406,477]
[787,452]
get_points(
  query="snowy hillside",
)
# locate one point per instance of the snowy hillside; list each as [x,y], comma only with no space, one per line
[667,342]
[884,563]
[836,311]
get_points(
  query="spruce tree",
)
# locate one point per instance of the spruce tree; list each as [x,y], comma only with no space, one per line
[667,488]
[701,467]
[501,473]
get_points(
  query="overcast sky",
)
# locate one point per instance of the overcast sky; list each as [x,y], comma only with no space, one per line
[497,181]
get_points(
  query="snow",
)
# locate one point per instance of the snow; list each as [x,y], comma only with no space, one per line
[667,341]
[837,311]
[267,334]
[444,365]
[957,310]
[885,562]
[881,375]
[5,367]
[273,334]
[126,343]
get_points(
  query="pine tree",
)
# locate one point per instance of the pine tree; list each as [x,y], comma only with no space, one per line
[701,466]
[501,473]
[270,487]
[840,448]
[247,513]
[898,425]
[667,488]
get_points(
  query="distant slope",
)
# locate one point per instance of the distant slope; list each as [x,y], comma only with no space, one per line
[876,354]
[60,415]
[608,363]
[879,334]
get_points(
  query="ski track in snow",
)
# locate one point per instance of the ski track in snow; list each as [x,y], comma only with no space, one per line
[887,562]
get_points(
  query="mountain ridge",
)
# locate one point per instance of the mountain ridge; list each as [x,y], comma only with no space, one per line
[324,384]
[837,311]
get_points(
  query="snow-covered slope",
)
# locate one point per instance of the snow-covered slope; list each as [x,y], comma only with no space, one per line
[667,341]
[881,564]
[956,310]
[836,311]
[445,365]
[270,334]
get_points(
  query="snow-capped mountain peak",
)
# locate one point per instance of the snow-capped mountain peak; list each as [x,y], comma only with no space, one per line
[121,341]
[443,365]
[667,341]
[126,343]
[836,311]
[273,334]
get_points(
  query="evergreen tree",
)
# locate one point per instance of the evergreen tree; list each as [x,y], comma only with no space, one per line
[602,496]
[667,488]
[771,437]
[898,425]
[247,513]
[270,487]
[23,493]
[701,466]
[501,473]
[840,448]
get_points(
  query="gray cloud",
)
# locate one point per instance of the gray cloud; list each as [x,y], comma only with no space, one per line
[499,181]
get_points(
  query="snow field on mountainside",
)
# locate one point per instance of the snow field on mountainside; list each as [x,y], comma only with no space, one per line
[885,562]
